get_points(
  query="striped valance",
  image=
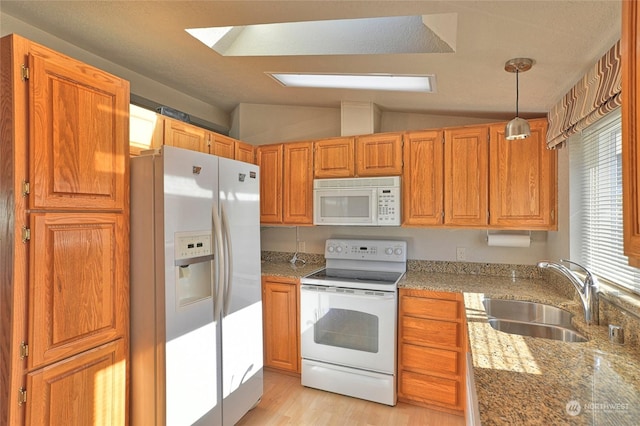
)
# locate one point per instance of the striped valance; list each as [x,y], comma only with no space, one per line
[595,95]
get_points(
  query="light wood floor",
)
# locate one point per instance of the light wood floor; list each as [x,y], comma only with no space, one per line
[287,402]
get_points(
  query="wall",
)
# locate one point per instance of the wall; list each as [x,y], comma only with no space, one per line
[260,124]
[141,86]
[423,244]
[263,124]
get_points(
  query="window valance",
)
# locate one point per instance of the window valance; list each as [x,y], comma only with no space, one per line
[595,95]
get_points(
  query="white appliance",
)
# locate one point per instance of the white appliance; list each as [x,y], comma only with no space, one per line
[196,312]
[348,316]
[371,201]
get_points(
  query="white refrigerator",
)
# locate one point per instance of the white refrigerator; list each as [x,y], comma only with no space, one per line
[196,310]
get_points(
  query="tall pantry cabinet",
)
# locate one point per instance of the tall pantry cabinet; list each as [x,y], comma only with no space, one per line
[64,252]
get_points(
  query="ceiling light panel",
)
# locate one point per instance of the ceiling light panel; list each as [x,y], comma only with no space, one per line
[405,83]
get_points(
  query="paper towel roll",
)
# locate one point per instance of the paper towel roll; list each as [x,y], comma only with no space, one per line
[508,240]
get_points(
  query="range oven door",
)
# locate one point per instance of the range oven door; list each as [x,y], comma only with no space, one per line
[354,328]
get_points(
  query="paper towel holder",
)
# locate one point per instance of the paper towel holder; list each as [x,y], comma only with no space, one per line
[508,238]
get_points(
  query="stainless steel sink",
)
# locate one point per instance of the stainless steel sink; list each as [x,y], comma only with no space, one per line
[516,310]
[531,319]
[537,330]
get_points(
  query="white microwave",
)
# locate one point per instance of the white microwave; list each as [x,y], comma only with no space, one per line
[371,201]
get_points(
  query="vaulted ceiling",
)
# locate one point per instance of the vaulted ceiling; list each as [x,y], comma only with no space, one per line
[564,38]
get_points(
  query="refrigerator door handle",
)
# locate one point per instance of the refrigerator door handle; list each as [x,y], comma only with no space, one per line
[218,273]
[228,259]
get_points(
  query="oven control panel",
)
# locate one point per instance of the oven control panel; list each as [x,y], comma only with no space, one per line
[383,250]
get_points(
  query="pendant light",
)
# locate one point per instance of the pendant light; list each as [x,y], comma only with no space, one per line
[517,128]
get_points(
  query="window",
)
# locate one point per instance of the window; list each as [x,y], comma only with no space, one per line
[596,186]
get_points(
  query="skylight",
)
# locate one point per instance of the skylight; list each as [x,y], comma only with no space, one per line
[381,35]
[410,83]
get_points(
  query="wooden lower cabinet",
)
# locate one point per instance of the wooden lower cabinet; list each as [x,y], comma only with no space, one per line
[431,350]
[281,323]
[86,389]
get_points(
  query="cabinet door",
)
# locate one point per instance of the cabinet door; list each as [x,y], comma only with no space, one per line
[466,176]
[522,180]
[184,135]
[379,155]
[78,283]
[280,321]
[334,158]
[245,152]
[146,130]
[86,389]
[222,146]
[79,121]
[630,44]
[270,162]
[422,180]
[298,183]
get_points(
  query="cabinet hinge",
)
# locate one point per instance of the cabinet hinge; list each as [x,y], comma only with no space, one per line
[26,234]
[24,350]
[22,396]
[24,72]
[25,188]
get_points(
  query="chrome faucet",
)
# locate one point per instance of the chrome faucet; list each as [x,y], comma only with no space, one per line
[587,289]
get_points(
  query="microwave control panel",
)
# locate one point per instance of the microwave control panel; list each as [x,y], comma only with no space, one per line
[389,206]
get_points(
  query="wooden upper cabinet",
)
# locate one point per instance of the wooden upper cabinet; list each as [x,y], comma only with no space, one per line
[221,145]
[245,152]
[269,159]
[379,154]
[334,158]
[298,183]
[422,179]
[146,130]
[79,119]
[522,180]
[466,176]
[630,43]
[184,135]
[78,272]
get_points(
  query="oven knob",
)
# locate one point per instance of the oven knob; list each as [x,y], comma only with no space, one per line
[388,250]
[398,251]
[330,249]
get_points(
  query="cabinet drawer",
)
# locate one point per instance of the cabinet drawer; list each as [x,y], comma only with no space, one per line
[430,332]
[431,308]
[425,388]
[422,359]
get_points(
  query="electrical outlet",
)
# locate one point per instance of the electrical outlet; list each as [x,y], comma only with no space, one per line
[461,253]
[301,246]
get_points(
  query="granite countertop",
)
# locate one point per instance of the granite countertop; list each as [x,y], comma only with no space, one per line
[527,380]
[286,269]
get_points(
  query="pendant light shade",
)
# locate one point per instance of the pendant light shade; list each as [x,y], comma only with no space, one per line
[518,128]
